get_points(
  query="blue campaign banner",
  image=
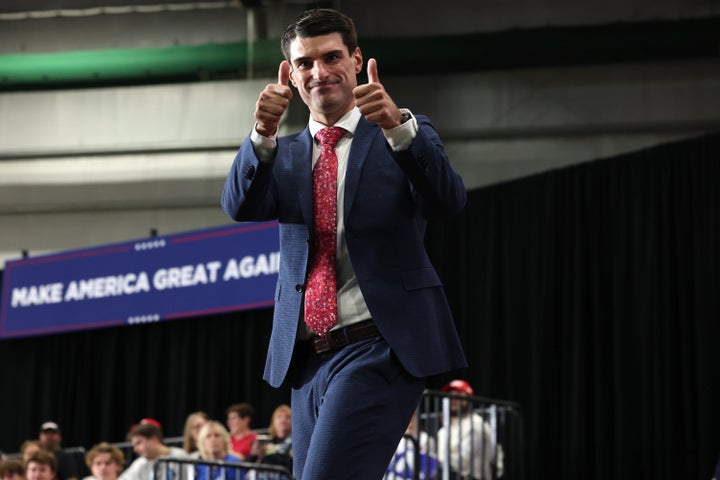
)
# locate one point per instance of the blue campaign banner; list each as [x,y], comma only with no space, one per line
[160,278]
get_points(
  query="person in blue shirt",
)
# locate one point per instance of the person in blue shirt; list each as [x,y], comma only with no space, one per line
[214,445]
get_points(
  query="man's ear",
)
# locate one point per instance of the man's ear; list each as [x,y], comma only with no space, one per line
[357,57]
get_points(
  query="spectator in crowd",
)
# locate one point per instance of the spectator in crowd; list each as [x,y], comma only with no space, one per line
[28,448]
[214,445]
[41,465]
[276,447]
[147,442]
[105,462]
[468,437]
[50,438]
[405,461]
[193,423]
[239,419]
[12,470]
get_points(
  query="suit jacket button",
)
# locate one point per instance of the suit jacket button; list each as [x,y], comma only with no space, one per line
[250,172]
[423,163]
[299,287]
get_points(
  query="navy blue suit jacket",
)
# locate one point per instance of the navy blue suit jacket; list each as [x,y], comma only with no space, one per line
[388,196]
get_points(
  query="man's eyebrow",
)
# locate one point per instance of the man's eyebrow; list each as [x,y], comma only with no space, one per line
[299,60]
[333,52]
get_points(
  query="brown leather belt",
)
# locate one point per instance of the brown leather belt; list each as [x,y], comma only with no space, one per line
[342,337]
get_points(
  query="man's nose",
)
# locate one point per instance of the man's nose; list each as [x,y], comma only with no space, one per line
[318,70]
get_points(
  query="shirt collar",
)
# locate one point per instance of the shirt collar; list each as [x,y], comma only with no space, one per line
[348,122]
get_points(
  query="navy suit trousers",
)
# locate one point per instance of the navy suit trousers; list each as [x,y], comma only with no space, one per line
[349,410]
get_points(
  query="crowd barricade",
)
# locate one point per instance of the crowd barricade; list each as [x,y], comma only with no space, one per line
[456,438]
[461,437]
[78,456]
[197,469]
[130,455]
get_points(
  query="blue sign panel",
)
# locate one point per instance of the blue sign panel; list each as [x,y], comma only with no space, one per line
[162,278]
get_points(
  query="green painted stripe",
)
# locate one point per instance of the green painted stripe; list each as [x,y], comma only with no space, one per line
[134,64]
[521,48]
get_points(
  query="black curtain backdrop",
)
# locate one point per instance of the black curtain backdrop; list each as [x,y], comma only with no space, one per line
[589,295]
[97,383]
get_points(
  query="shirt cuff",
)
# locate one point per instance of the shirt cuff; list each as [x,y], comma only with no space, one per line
[264,146]
[400,137]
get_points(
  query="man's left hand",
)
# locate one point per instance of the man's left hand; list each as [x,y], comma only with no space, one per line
[374,102]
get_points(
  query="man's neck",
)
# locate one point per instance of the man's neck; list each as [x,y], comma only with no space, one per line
[330,119]
[161,451]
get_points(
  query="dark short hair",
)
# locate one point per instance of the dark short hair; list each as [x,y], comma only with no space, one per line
[242,409]
[147,430]
[320,21]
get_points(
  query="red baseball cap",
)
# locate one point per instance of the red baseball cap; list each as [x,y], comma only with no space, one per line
[459,385]
[144,421]
[151,421]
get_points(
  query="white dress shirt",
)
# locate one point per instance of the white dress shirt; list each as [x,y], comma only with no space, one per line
[350,301]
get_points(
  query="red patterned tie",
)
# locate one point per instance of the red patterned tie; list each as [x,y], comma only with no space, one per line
[321,289]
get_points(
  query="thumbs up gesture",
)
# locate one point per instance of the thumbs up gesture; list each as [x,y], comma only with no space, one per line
[374,102]
[273,102]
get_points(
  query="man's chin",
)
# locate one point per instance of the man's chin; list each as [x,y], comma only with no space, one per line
[325,103]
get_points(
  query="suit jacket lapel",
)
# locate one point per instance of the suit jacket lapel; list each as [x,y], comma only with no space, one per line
[301,164]
[362,141]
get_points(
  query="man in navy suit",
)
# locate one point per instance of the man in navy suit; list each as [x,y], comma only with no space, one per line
[355,388]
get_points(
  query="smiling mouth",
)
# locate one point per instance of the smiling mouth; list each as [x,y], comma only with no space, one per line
[315,85]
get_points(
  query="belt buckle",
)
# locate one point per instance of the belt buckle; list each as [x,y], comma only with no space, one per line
[336,339]
[331,343]
[328,343]
[322,344]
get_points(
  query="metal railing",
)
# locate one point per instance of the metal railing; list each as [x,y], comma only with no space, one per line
[460,437]
[455,437]
[196,469]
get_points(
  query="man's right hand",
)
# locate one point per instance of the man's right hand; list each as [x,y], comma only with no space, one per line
[273,102]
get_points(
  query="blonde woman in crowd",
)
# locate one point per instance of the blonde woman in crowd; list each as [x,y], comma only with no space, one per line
[194,422]
[276,447]
[105,462]
[214,445]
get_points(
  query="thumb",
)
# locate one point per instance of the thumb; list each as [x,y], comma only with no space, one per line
[372,71]
[284,73]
